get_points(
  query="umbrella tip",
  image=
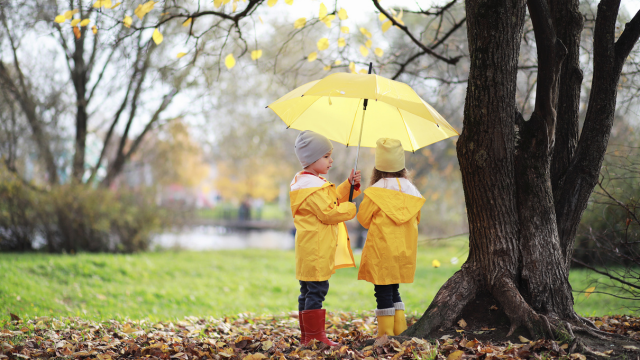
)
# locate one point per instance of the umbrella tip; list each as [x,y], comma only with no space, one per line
[266,107]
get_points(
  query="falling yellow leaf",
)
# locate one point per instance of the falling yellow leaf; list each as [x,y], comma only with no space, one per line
[69,14]
[352,67]
[75,22]
[363,71]
[327,68]
[217,3]
[589,291]
[187,22]
[386,26]
[342,42]
[435,263]
[523,339]
[256,54]
[379,52]
[323,11]
[229,61]
[116,5]
[363,50]
[365,32]
[157,36]
[300,23]
[60,19]
[76,32]
[342,14]
[323,44]
[382,17]
[456,355]
[312,57]
[288,2]
[143,9]
[272,2]
[181,54]
[85,22]
[368,44]
[337,62]
[94,29]
[127,21]
[344,29]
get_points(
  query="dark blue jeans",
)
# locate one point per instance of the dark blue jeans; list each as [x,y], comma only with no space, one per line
[312,294]
[387,295]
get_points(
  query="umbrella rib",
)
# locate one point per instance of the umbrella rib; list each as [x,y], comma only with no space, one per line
[354,121]
[407,129]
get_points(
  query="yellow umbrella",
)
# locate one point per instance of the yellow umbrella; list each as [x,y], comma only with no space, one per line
[335,107]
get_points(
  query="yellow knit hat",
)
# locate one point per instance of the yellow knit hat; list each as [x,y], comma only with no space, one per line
[389,155]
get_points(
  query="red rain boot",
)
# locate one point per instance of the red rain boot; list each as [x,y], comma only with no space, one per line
[314,326]
[303,333]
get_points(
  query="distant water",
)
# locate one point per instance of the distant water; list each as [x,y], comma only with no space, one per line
[219,238]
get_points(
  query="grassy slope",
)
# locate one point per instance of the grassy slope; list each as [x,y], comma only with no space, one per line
[167,285]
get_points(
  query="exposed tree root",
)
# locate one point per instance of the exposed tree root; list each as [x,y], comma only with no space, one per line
[452,297]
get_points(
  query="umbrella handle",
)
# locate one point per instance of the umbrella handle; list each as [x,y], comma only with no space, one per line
[351,192]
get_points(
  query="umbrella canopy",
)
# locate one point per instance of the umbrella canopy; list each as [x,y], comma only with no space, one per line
[333,107]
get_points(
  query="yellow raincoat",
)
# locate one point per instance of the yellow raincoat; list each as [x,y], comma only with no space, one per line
[392,217]
[319,212]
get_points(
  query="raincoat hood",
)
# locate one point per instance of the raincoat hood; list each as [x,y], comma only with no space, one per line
[299,196]
[398,206]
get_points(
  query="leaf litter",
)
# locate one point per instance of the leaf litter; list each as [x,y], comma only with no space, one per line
[249,337]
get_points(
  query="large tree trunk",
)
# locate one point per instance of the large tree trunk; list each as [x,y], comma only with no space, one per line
[514,179]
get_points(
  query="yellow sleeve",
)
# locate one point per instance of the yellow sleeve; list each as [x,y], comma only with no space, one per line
[327,210]
[366,212]
[344,189]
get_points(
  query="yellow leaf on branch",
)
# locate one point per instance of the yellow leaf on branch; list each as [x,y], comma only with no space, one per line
[327,20]
[344,29]
[94,29]
[379,52]
[386,26]
[399,20]
[327,68]
[102,3]
[312,57]
[342,14]
[69,14]
[363,71]
[75,22]
[229,61]
[337,62]
[256,54]
[181,54]
[127,21]
[288,2]
[187,22]
[217,3]
[365,32]
[60,19]
[271,3]
[235,6]
[589,291]
[352,67]
[143,9]
[368,44]
[342,42]
[363,50]
[85,22]
[323,11]
[300,23]
[116,5]
[382,17]
[76,32]
[323,44]
[435,263]
[157,36]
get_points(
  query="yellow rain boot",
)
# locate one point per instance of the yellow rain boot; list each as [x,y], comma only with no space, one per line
[385,321]
[399,321]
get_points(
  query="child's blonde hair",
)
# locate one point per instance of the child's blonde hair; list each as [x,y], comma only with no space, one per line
[376,175]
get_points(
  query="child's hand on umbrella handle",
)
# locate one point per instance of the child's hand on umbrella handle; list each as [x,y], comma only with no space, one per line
[355,179]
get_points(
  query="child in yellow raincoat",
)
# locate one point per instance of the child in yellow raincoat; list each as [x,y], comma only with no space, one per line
[322,243]
[391,211]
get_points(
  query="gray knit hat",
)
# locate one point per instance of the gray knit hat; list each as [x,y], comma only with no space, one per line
[311,146]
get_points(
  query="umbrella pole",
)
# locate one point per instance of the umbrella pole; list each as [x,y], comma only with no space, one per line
[355,167]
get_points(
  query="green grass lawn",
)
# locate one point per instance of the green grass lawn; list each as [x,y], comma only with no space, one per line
[170,285]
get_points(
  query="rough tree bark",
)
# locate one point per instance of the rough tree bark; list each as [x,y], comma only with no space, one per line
[525,192]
